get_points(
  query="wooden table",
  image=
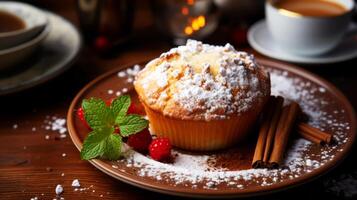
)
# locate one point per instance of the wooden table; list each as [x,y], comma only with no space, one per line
[34,160]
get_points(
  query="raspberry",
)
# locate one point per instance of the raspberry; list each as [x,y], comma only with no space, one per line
[140,141]
[109,101]
[160,149]
[133,109]
[80,114]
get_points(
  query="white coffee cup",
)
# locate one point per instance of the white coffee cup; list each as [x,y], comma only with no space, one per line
[307,35]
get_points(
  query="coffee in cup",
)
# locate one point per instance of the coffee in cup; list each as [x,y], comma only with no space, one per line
[311,8]
[308,27]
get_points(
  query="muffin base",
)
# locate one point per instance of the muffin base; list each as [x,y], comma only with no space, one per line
[201,135]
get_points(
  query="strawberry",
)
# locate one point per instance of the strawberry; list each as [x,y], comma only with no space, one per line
[80,114]
[160,149]
[140,141]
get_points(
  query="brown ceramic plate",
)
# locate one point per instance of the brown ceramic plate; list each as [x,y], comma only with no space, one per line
[227,173]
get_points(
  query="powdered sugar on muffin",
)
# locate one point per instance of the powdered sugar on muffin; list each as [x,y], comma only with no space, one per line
[203,82]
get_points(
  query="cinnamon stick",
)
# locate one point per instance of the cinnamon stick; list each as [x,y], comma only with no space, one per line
[305,129]
[286,122]
[310,137]
[263,132]
[269,111]
[272,129]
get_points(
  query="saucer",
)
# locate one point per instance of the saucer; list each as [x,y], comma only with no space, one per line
[228,173]
[261,40]
[34,19]
[55,54]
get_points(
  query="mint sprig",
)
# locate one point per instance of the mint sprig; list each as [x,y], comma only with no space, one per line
[132,124]
[102,142]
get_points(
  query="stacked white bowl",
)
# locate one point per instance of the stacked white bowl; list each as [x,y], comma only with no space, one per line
[19,44]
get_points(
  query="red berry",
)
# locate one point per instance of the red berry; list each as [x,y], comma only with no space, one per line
[102,43]
[80,114]
[109,101]
[116,129]
[133,109]
[160,149]
[140,141]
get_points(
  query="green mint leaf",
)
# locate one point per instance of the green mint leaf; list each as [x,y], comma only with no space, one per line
[119,107]
[112,147]
[93,146]
[132,124]
[97,113]
[96,144]
[101,142]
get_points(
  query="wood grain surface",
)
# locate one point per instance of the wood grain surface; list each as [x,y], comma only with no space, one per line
[32,166]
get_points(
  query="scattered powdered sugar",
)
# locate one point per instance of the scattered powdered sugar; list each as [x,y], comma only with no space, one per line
[50,124]
[55,124]
[124,90]
[78,188]
[129,72]
[121,74]
[129,75]
[191,169]
[75,183]
[59,189]
[198,172]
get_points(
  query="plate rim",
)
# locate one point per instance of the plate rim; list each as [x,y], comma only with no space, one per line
[66,65]
[161,188]
[296,59]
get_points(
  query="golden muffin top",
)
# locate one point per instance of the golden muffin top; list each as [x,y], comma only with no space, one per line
[202,82]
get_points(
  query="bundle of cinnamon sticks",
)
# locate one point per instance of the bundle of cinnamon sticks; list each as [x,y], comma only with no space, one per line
[278,122]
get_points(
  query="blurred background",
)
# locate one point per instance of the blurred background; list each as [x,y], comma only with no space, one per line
[111,25]
[117,32]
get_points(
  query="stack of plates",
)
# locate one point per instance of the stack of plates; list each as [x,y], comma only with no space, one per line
[18,44]
[43,47]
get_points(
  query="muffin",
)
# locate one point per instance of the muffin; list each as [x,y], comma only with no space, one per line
[203,97]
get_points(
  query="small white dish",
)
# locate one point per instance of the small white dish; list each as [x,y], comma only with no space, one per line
[261,40]
[17,54]
[56,54]
[34,19]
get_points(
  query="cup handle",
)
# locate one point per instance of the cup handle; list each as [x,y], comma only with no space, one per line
[351,30]
[352,27]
